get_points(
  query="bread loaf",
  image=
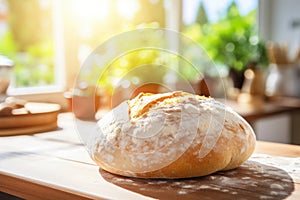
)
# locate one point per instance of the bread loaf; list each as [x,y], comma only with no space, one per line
[171,135]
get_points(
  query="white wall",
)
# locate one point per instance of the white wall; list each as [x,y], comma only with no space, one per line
[276,21]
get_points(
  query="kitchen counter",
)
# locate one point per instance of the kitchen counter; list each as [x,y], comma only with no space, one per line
[55,165]
[271,107]
[275,120]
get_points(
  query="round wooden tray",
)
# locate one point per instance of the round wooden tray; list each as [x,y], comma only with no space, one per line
[28,130]
[41,117]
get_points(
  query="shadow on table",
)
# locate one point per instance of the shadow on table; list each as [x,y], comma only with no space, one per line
[252,180]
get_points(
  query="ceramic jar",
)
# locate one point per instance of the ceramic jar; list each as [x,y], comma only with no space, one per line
[283,80]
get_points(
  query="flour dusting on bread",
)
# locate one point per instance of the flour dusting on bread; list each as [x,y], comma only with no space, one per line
[171,135]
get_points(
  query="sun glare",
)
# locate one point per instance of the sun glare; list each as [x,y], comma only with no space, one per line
[127,8]
[91,10]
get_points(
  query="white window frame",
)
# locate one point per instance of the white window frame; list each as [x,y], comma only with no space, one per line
[59,59]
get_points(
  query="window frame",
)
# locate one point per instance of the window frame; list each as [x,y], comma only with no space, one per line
[58,59]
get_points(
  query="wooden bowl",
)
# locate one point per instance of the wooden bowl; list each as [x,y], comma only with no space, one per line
[40,117]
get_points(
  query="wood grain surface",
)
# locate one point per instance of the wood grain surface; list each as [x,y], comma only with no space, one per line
[252,180]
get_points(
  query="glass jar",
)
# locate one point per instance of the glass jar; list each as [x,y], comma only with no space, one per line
[283,80]
[6,69]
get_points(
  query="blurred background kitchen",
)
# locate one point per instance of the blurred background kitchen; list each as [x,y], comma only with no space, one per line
[254,45]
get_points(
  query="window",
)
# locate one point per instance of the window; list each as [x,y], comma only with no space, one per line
[50,39]
[227,30]
[28,36]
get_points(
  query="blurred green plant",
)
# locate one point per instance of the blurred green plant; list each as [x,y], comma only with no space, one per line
[232,41]
[8,45]
[142,65]
[28,42]
[35,67]
[136,67]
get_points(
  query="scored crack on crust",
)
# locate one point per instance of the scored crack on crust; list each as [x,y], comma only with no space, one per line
[171,135]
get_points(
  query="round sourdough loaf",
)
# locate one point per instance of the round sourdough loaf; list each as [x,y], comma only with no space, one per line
[171,135]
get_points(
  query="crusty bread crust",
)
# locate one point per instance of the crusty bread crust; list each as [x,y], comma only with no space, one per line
[171,135]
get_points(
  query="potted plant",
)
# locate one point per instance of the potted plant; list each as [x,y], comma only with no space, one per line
[233,42]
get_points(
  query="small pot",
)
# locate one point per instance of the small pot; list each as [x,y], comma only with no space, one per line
[83,107]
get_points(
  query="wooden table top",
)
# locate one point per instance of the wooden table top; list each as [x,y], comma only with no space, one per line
[55,165]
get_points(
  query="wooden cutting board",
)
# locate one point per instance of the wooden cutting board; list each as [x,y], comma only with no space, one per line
[41,117]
